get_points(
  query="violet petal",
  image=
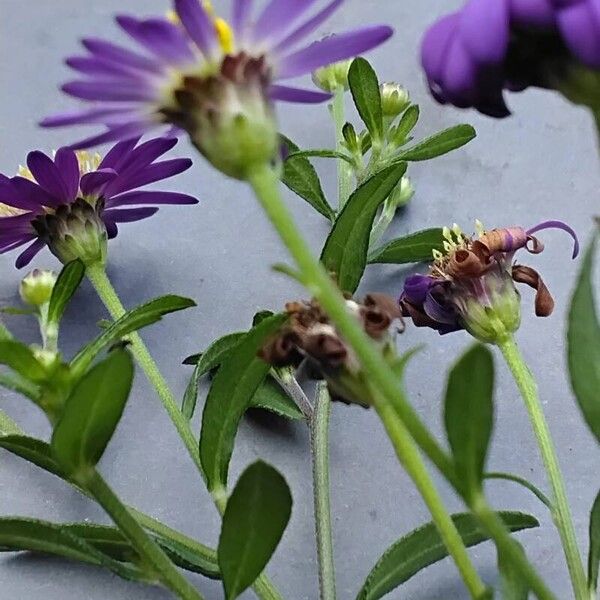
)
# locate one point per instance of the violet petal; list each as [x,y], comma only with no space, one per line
[151,197]
[68,167]
[198,24]
[47,175]
[29,253]
[285,93]
[558,225]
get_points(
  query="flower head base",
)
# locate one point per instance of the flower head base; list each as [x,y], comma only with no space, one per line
[471,285]
[135,91]
[472,55]
[74,202]
[36,287]
[229,116]
[310,336]
[332,77]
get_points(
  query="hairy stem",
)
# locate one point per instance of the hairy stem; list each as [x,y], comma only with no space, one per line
[561,513]
[319,435]
[148,550]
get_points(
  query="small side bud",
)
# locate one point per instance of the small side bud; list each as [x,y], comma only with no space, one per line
[394,99]
[36,288]
[332,76]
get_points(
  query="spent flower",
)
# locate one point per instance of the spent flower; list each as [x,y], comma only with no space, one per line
[73,202]
[471,56]
[309,335]
[213,78]
[471,284]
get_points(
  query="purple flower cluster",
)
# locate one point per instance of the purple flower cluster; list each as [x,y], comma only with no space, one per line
[109,187]
[135,91]
[472,55]
[470,286]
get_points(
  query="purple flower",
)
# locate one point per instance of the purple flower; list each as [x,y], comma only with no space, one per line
[135,91]
[472,55]
[78,195]
[471,285]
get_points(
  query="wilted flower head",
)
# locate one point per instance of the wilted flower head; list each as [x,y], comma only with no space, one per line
[471,285]
[196,71]
[74,202]
[472,55]
[310,335]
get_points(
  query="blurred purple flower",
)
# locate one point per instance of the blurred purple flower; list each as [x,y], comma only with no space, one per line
[471,285]
[472,55]
[85,187]
[135,91]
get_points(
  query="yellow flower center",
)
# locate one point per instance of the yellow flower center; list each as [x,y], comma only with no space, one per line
[222,27]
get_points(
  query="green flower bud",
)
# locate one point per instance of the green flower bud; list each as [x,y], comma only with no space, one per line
[36,287]
[74,231]
[332,76]
[394,99]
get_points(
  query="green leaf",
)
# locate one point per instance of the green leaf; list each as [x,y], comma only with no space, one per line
[229,396]
[415,247]
[212,357]
[256,516]
[21,359]
[514,587]
[583,342]
[190,397]
[92,412]
[367,97]
[321,153]
[203,562]
[15,310]
[524,483]
[66,285]
[18,384]
[34,451]
[407,124]
[469,415]
[346,248]
[260,316]
[135,319]
[33,535]
[301,177]
[5,334]
[438,144]
[424,547]
[8,426]
[594,551]
[270,396]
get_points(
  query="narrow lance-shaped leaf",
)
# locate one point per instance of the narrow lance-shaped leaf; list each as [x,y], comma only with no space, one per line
[21,359]
[514,587]
[583,340]
[66,285]
[256,516]
[92,412]
[594,550]
[367,97]
[345,251]
[438,144]
[301,177]
[132,320]
[229,396]
[424,547]
[415,247]
[407,123]
[469,415]
[270,396]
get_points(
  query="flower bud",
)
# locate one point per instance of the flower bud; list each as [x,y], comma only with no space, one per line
[394,99]
[229,116]
[332,76]
[74,231]
[36,287]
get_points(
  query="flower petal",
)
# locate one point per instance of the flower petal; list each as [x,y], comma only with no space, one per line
[277,17]
[120,132]
[118,153]
[285,93]
[434,49]
[111,90]
[120,55]
[129,215]
[484,30]
[94,183]
[47,175]
[93,115]
[198,24]
[29,253]
[68,167]
[332,49]
[558,225]
[152,197]
[32,196]
[241,16]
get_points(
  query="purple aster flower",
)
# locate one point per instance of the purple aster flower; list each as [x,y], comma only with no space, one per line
[74,202]
[181,64]
[471,285]
[471,56]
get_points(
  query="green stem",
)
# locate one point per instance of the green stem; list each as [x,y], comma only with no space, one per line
[319,435]
[412,462]
[509,548]
[344,169]
[148,550]
[96,273]
[265,185]
[562,513]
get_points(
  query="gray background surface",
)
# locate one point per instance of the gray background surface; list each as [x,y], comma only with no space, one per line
[539,164]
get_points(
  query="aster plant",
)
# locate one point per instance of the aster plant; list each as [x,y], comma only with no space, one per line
[218,81]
